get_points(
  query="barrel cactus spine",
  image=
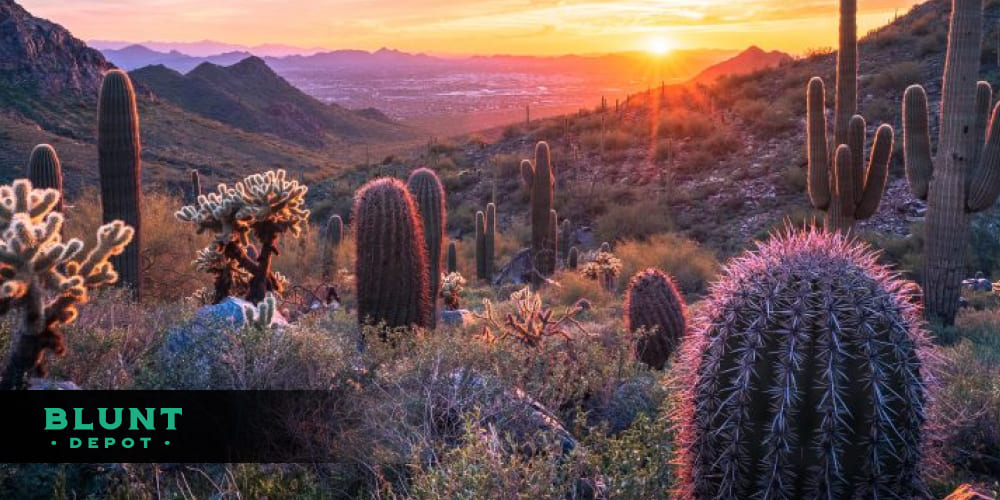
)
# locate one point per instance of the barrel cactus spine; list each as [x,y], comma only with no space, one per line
[841,183]
[427,191]
[963,178]
[45,171]
[804,377]
[652,303]
[119,151]
[391,262]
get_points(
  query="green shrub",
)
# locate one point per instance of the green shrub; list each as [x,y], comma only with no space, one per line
[639,220]
[691,266]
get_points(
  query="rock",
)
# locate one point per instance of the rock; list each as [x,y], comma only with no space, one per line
[968,492]
[198,347]
[517,271]
[633,397]
[458,317]
[42,384]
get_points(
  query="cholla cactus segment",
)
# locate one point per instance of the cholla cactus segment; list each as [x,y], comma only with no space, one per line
[529,322]
[261,315]
[605,267]
[45,275]
[804,377]
[452,285]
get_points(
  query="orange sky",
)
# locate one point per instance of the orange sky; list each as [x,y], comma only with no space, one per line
[482,26]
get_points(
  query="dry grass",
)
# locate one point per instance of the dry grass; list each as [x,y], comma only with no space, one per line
[691,266]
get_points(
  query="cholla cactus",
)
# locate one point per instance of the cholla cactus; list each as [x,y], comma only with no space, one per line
[261,315]
[804,377]
[262,205]
[530,323]
[605,267]
[452,285]
[44,277]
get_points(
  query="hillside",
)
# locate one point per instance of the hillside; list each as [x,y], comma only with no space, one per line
[48,93]
[748,61]
[137,56]
[251,97]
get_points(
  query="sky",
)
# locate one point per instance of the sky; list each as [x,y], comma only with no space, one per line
[541,27]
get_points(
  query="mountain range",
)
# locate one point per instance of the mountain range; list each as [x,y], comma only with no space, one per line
[49,83]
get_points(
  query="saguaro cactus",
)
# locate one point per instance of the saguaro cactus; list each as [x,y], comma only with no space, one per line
[653,303]
[481,245]
[119,160]
[332,235]
[491,239]
[195,184]
[573,260]
[452,258]
[44,278]
[540,179]
[391,264]
[805,379]
[840,182]
[45,172]
[428,193]
[964,177]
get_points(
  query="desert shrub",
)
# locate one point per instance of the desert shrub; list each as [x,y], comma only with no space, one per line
[721,142]
[691,266]
[664,150]
[571,286]
[638,220]
[897,77]
[793,179]
[881,110]
[982,329]
[697,161]
[680,123]
[768,117]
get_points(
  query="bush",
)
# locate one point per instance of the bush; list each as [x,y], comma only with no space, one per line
[691,266]
[895,78]
[637,221]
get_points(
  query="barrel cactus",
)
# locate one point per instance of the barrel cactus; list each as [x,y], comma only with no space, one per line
[653,304]
[540,179]
[804,377]
[45,172]
[428,193]
[119,150]
[840,182]
[963,178]
[391,264]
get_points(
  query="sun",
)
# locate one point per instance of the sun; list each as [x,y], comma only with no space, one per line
[658,45]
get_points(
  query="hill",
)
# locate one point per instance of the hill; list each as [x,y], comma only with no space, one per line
[748,61]
[137,56]
[49,82]
[251,97]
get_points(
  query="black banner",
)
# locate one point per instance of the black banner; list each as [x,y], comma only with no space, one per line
[169,426]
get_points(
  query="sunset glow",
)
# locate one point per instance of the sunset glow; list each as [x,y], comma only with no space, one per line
[482,26]
[658,45]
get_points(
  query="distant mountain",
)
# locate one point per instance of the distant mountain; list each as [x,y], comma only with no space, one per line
[137,56]
[252,97]
[748,61]
[49,83]
[207,48]
[38,56]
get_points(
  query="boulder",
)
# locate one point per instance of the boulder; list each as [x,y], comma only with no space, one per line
[517,271]
[457,317]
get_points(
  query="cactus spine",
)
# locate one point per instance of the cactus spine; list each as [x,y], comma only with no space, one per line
[45,172]
[573,261]
[481,245]
[452,258]
[427,191]
[840,183]
[119,151]
[540,179]
[805,380]
[964,177]
[391,263]
[653,303]
[491,239]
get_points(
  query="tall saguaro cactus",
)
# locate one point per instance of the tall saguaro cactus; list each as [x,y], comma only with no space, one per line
[540,179]
[840,182]
[391,264]
[332,235]
[481,245]
[195,184]
[964,177]
[45,172]
[805,379]
[427,191]
[491,239]
[119,150]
